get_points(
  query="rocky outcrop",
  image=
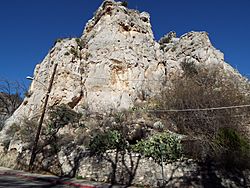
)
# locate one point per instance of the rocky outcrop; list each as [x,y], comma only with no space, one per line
[109,67]
[113,65]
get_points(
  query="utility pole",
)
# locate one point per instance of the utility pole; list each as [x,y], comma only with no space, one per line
[34,149]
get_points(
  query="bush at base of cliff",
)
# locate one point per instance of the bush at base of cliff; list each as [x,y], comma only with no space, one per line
[201,88]
[162,147]
[233,150]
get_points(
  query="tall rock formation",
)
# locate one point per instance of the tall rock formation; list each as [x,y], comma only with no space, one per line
[114,64]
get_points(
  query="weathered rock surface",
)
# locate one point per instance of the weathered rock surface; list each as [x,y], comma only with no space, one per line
[113,65]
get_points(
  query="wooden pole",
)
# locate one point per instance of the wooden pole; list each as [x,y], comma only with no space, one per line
[34,149]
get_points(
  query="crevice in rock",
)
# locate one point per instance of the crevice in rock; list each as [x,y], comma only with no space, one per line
[165,66]
[75,100]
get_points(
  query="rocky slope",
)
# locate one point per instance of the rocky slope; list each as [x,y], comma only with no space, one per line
[115,64]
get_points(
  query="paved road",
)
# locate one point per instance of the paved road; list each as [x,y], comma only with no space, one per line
[21,182]
[19,179]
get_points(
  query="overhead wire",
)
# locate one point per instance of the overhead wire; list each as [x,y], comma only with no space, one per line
[201,109]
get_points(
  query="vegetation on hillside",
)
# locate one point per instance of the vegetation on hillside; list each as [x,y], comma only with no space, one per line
[10,98]
[198,117]
[215,133]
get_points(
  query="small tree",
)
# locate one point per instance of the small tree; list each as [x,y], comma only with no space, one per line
[50,141]
[110,140]
[113,144]
[10,98]
[162,147]
[62,115]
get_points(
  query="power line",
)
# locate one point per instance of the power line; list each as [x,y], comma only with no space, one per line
[215,117]
[140,80]
[200,109]
[127,80]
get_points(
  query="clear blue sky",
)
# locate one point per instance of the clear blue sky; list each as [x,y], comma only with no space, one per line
[28,28]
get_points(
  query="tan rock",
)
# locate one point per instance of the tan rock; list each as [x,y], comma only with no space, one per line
[114,64]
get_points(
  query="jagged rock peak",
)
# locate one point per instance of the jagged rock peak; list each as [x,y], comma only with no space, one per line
[115,14]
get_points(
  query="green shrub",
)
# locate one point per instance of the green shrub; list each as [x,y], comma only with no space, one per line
[28,130]
[233,149]
[11,131]
[189,68]
[62,115]
[161,146]
[109,140]
[79,177]
[124,3]
[231,139]
[80,43]
[74,52]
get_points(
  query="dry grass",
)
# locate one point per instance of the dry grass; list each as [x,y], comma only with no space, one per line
[202,88]
[8,159]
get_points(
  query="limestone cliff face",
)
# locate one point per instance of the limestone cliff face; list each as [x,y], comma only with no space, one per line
[122,57]
[111,66]
[115,63]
